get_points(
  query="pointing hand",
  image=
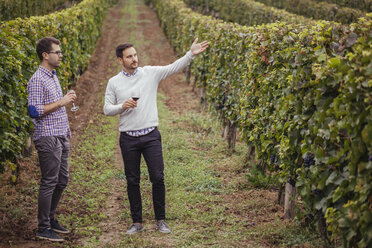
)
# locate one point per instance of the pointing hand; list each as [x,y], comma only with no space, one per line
[197,48]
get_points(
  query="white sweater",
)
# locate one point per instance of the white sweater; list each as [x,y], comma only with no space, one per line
[120,87]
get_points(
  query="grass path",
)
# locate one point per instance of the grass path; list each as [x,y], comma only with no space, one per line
[206,206]
[208,200]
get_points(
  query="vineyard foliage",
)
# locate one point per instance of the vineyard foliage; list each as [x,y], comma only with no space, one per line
[11,9]
[317,10]
[78,29]
[292,11]
[237,11]
[364,5]
[301,96]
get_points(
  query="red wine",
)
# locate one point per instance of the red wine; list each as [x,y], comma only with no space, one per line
[135,98]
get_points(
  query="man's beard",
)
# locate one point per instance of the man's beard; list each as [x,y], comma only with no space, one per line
[133,66]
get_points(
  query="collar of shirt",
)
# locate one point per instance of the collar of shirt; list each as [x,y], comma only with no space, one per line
[130,75]
[47,72]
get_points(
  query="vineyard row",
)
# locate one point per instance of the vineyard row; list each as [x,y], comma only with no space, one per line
[78,29]
[301,96]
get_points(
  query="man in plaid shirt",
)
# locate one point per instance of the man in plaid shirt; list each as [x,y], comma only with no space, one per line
[46,106]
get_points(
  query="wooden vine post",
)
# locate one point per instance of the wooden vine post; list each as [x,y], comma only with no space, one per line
[224,126]
[289,200]
[231,134]
[27,148]
[229,130]
[188,73]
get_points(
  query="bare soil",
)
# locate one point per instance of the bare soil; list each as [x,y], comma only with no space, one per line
[89,88]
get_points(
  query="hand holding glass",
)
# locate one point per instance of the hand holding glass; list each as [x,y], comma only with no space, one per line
[74,108]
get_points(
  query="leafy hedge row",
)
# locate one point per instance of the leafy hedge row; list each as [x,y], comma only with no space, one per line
[245,12]
[11,9]
[78,28]
[317,10]
[302,97]
[364,5]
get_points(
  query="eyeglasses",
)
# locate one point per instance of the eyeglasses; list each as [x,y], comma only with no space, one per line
[59,53]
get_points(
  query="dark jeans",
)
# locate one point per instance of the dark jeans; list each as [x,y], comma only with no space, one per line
[53,157]
[150,147]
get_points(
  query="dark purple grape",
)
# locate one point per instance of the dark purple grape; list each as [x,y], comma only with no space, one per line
[18,129]
[309,160]
[291,182]
[218,107]
[272,159]
[316,192]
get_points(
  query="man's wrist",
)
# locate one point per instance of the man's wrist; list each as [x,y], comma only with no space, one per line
[191,54]
[60,103]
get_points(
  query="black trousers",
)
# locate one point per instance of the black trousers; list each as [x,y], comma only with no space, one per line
[149,146]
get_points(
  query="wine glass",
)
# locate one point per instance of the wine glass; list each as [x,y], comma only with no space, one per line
[74,108]
[136,94]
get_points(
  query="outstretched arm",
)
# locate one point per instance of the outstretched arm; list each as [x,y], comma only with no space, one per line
[197,48]
[180,64]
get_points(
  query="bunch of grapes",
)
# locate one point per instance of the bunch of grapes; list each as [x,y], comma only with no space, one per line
[292,182]
[218,107]
[272,159]
[316,192]
[309,160]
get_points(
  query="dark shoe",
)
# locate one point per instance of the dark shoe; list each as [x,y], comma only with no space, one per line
[48,234]
[135,228]
[57,227]
[162,226]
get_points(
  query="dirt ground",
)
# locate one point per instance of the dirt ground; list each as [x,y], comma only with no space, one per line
[89,88]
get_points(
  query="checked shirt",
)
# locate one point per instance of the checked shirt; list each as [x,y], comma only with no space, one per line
[43,89]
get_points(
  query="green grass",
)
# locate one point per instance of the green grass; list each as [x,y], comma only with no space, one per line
[92,168]
[199,173]
[130,24]
[201,176]
[197,214]
[195,210]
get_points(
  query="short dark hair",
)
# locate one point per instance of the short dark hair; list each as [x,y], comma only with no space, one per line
[45,45]
[121,48]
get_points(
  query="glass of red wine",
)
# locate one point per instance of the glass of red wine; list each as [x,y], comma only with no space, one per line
[136,94]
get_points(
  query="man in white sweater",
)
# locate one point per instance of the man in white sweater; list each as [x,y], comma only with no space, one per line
[132,95]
